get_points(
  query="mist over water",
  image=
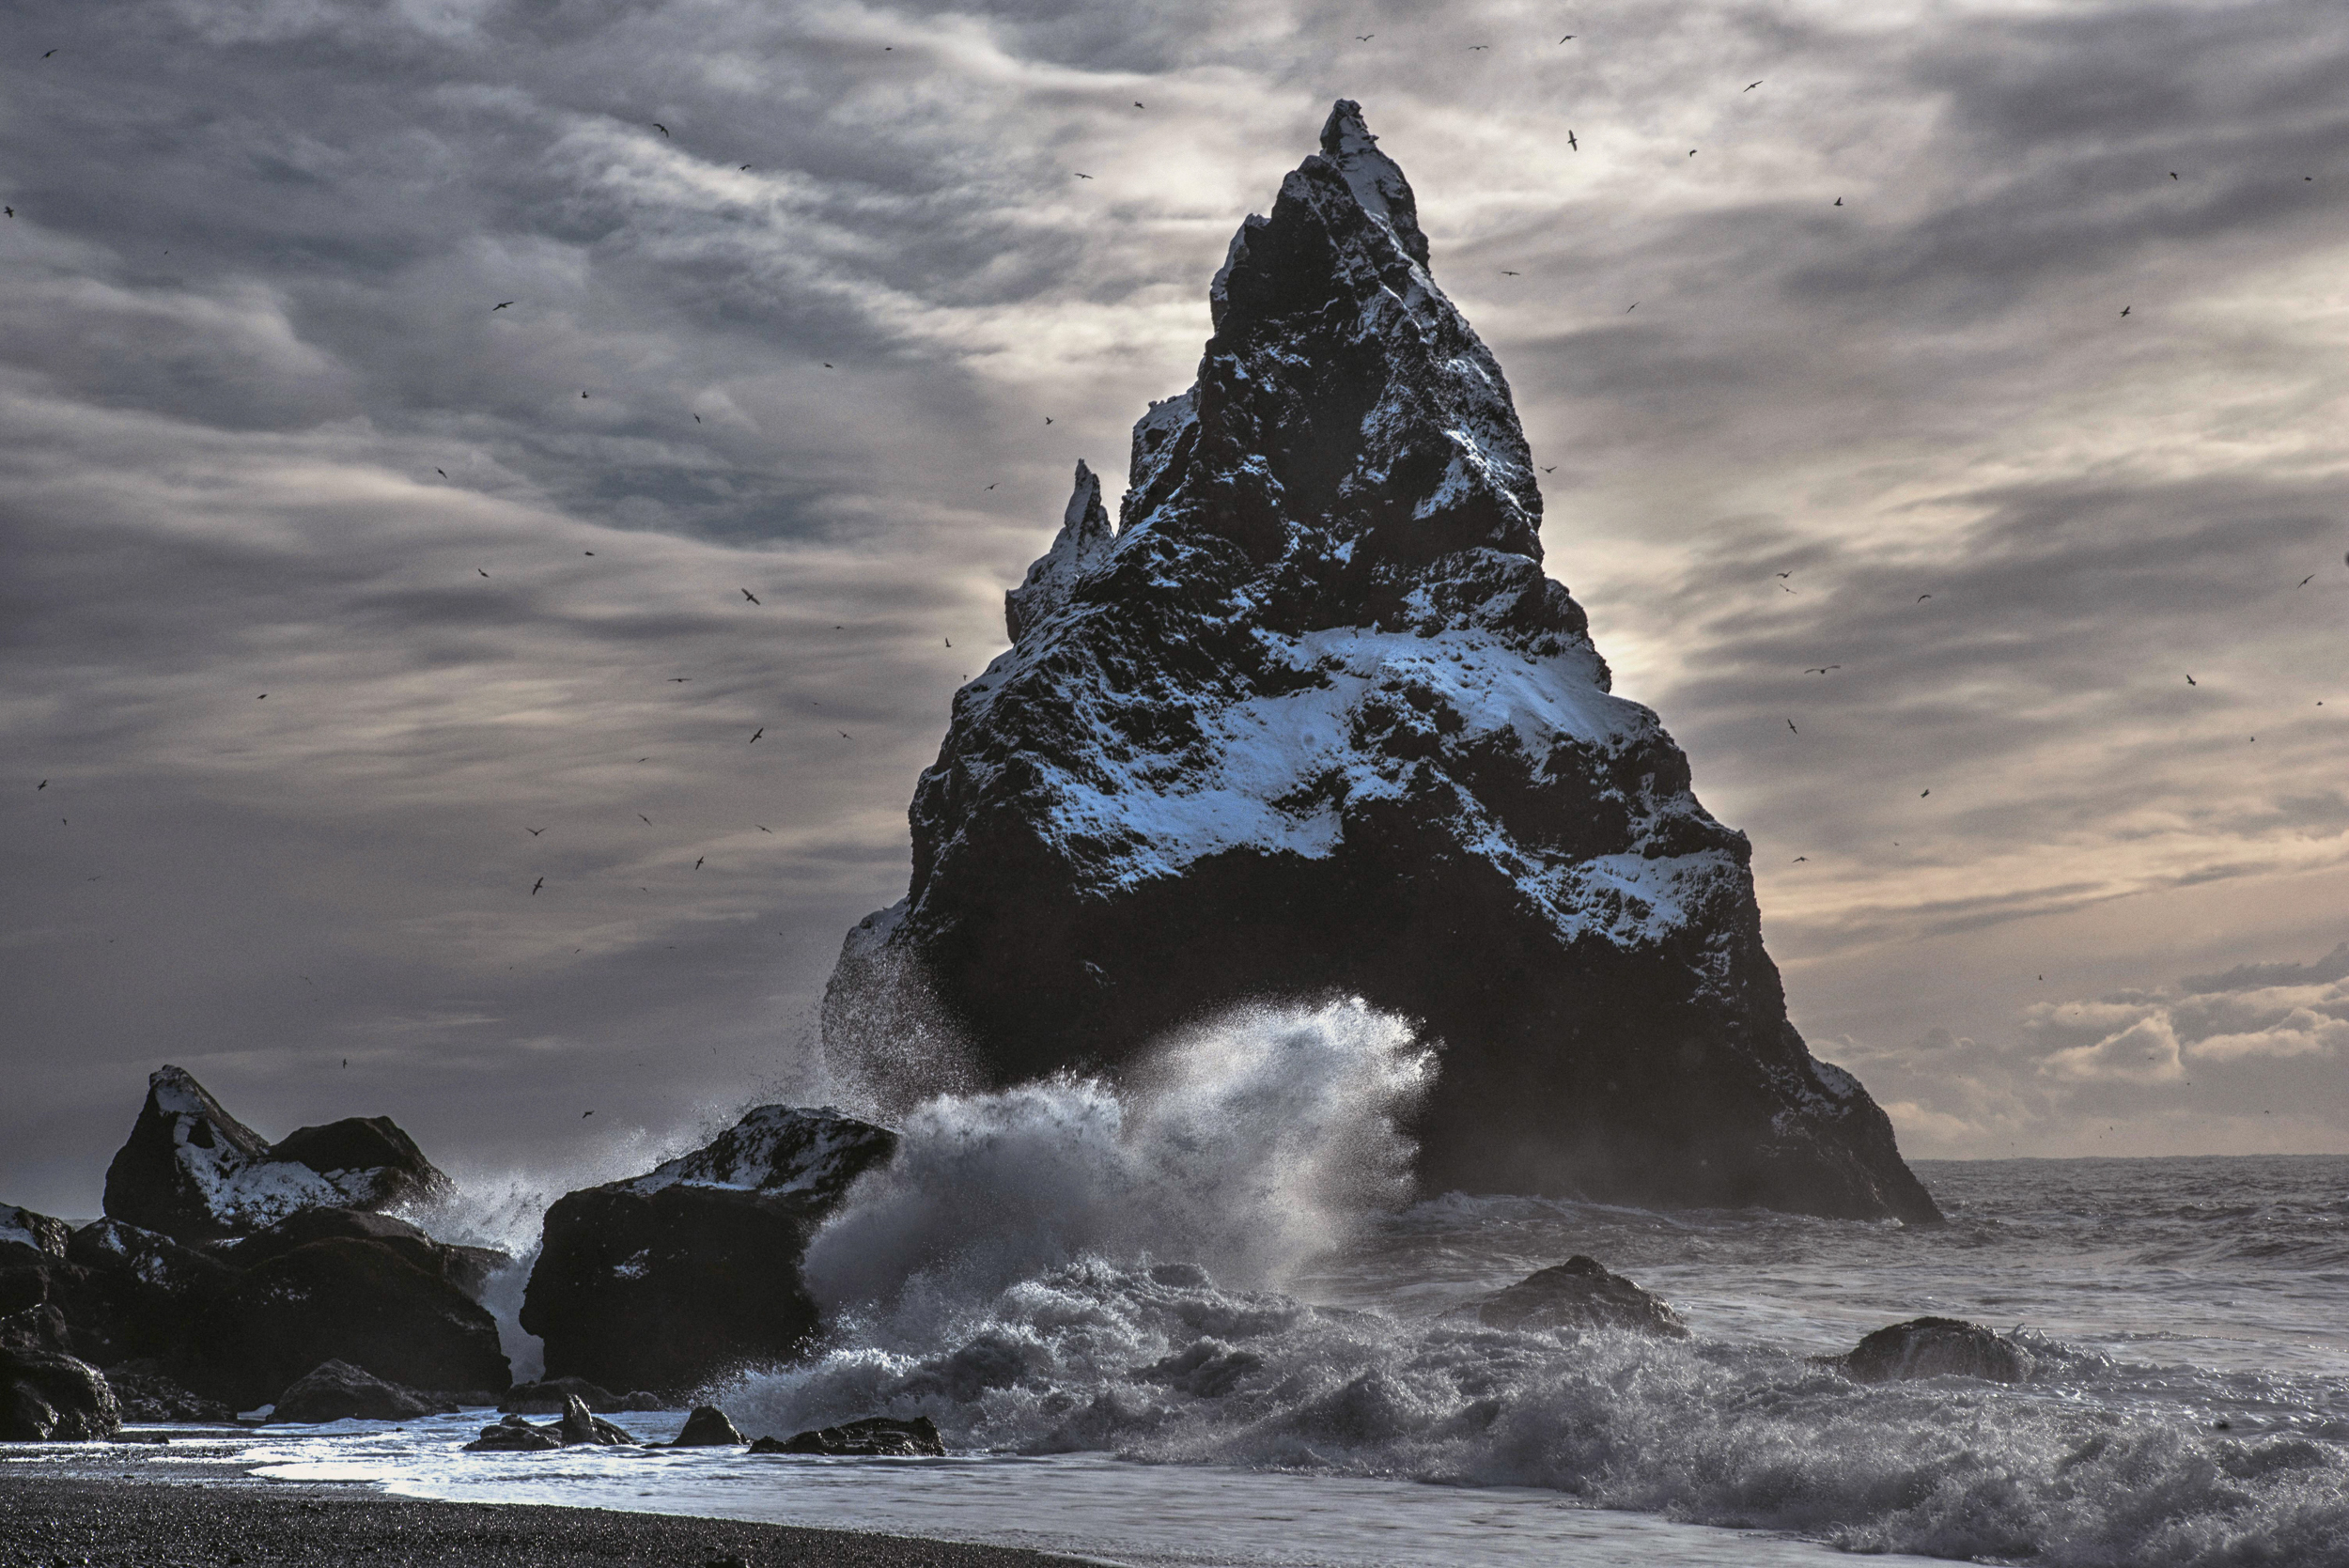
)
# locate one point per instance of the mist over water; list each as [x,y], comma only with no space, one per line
[1250,1146]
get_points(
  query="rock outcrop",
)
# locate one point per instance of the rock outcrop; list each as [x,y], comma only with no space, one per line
[708,1427]
[340,1391]
[1313,720]
[693,1270]
[192,1172]
[578,1426]
[1936,1347]
[49,1398]
[1580,1293]
[874,1438]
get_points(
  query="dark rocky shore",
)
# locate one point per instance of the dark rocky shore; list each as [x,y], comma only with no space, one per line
[144,1523]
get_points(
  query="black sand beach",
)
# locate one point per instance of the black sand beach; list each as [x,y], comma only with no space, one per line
[140,1522]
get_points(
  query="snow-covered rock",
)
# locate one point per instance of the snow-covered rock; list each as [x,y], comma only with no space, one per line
[669,1280]
[192,1170]
[1314,720]
[39,1236]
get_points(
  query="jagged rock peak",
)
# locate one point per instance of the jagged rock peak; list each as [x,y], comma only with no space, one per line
[1083,539]
[1315,721]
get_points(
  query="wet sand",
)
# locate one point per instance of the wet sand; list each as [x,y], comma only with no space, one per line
[140,1520]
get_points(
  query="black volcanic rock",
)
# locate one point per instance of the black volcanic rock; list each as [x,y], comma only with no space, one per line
[1936,1347]
[29,1238]
[874,1438]
[1315,723]
[359,1301]
[194,1172]
[49,1398]
[669,1280]
[708,1427]
[1580,1293]
[340,1391]
[466,1267]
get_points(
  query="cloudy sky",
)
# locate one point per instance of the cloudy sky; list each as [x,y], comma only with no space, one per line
[822,270]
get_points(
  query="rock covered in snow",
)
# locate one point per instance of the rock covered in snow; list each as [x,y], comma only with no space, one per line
[26,1237]
[192,1172]
[1314,720]
[1580,1293]
[671,1279]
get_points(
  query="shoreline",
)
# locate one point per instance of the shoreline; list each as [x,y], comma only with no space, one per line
[77,1514]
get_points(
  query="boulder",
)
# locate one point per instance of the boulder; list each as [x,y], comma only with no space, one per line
[514,1434]
[675,1278]
[49,1398]
[1936,1347]
[194,1172]
[708,1427]
[466,1267]
[1580,1294]
[337,1390]
[1315,721]
[29,1238]
[359,1301]
[147,1391]
[38,1328]
[874,1438]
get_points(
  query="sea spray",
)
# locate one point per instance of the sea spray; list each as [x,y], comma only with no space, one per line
[1247,1145]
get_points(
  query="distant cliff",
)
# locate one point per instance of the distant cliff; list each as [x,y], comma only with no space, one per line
[1313,719]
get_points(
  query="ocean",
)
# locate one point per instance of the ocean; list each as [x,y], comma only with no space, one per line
[1194,1325]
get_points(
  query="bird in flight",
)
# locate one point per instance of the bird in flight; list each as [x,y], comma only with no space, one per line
[1048,419]
[1551,468]
[842,734]
[1800,859]
[828,365]
[1821,669]
[502,304]
[746,169]
[1475,48]
[1137,103]
[2306,581]
[1364,37]
[679,680]
[1081,176]
[1922,598]
[748,595]
[2125,309]
[536,886]
[2191,681]
[1922,796]
[1750,85]
[442,471]
[53,52]
[1692,152]
[584,1114]
[483,573]
[640,815]
[662,129]
[1568,38]
[1785,574]
[1790,724]
[697,862]
[1839,201]
[262,698]
[1507,273]
[762,829]
[950,642]
[1571,144]
[762,730]
[534,832]
[1632,306]
[39,788]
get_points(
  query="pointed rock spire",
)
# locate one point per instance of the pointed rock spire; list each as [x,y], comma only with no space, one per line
[1083,539]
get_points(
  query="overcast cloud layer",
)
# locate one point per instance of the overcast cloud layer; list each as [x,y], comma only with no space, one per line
[822,271]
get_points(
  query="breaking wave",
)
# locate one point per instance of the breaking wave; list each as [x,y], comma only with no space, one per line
[1072,1267]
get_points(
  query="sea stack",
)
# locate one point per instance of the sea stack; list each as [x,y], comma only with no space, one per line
[1313,720]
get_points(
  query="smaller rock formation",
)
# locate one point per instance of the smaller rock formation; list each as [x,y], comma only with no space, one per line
[1934,1347]
[1580,1294]
[362,1301]
[148,1392]
[49,1398]
[578,1426]
[338,1391]
[874,1438]
[467,1268]
[708,1428]
[192,1172]
[26,1237]
[693,1270]
[549,1397]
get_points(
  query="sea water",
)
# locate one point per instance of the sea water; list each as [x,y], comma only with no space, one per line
[1186,1321]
